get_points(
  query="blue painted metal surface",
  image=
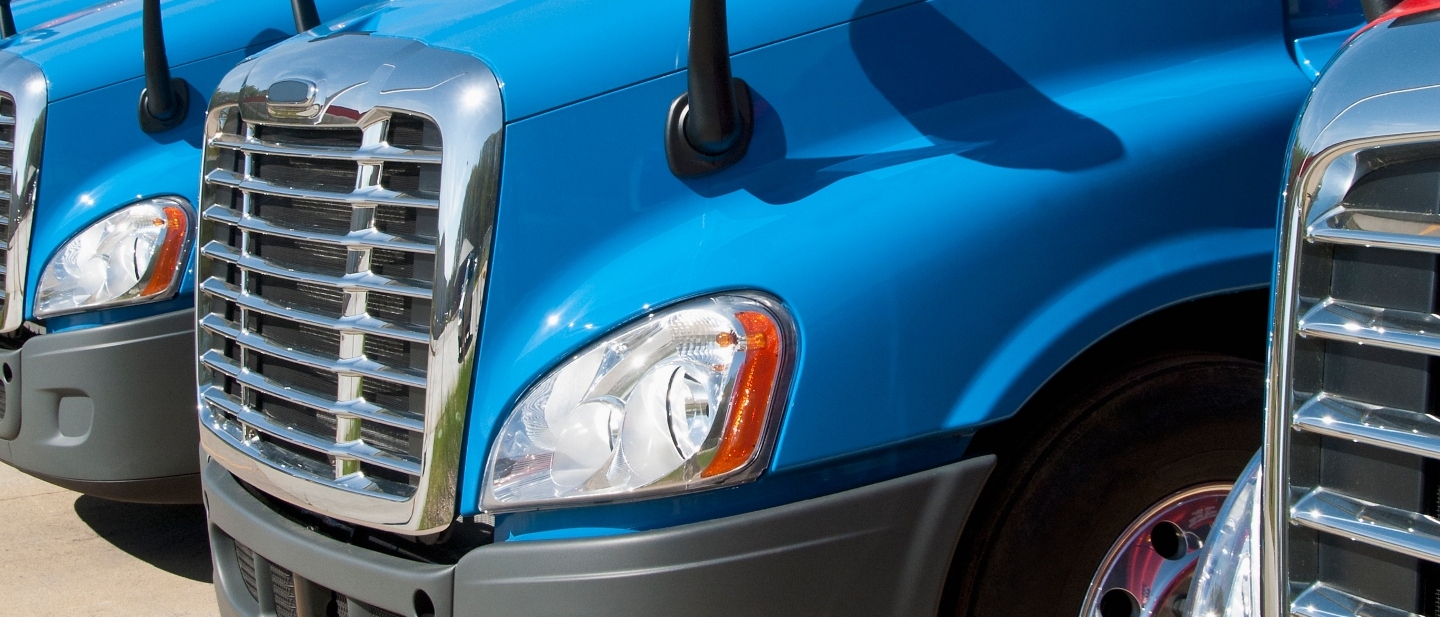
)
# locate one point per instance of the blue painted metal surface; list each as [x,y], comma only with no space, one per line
[1313,53]
[1317,28]
[96,158]
[952,204]
[94,48]
[953,199]
[32,13]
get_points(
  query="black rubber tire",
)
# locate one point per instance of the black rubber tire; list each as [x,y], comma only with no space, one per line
[1064,495]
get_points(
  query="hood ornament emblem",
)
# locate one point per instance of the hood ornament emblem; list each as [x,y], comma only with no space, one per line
[291,97]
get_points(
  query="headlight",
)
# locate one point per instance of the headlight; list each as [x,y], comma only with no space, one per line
[688,398]
[129,257]
[1227,581]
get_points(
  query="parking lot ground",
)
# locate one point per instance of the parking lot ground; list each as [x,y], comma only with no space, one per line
[62,553]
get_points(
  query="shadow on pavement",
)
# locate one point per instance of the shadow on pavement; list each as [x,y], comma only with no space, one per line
[172,538]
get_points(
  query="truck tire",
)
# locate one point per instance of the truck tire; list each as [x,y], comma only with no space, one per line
[1121,479]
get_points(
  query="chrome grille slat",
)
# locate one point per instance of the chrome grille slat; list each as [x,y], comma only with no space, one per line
[1377,425]
[1404,532]
[1321,600]
[304,467]
[365,238]
[361,409]
[348,283]
[1367,325]
[1378,229]
[355,450]
[371,196]
[361,324]
[354,367]
[375,154]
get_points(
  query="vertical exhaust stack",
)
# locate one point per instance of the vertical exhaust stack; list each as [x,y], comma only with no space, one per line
[709,126]
[306,16]
[7,20]
[164,101]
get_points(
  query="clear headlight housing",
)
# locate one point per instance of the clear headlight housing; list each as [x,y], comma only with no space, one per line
[132,256]
[1227,579]
[687,398]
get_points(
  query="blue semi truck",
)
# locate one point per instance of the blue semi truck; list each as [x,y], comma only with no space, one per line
[96,331]
[870,307]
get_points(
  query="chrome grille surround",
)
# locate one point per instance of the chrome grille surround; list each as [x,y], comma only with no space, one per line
[1301,509]
[24,92]
[361,85]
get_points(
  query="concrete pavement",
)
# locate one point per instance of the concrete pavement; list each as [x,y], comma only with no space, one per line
[62,553]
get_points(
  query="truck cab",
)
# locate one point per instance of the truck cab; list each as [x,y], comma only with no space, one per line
[868,307]
[97,325]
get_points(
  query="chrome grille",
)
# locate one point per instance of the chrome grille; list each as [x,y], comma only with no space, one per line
[314,378]
[1354,432]
[23,98]
[7,178]
[342,261]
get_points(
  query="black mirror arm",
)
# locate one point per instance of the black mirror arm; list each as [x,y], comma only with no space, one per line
[709,127]
[7,20]
[164,101]
[306,16]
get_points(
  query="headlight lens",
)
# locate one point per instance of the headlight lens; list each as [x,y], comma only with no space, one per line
[128,257]
[1227,580]
[685,399]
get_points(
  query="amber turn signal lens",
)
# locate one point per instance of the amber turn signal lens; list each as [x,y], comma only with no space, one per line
[754,390]
[167,262]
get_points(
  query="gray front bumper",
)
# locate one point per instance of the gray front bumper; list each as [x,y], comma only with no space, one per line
[108,411]
[882,549]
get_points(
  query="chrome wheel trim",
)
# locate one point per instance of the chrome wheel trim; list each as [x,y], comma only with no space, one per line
[1148,569]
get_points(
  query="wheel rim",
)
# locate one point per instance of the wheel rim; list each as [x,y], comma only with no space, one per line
[1148,570]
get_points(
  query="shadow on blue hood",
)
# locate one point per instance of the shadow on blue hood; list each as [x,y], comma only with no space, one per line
[547,53]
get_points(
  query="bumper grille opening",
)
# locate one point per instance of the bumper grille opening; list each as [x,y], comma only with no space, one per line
[289,595]
[245,560]
[282,588]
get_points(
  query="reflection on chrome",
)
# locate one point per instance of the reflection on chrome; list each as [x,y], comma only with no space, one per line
[1226,584]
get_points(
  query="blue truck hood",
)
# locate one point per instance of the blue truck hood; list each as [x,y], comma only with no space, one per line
[100,45]
[31,13]
[547,53]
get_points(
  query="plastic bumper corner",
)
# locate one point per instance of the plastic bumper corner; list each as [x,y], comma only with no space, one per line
[108,411]
[882,549]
